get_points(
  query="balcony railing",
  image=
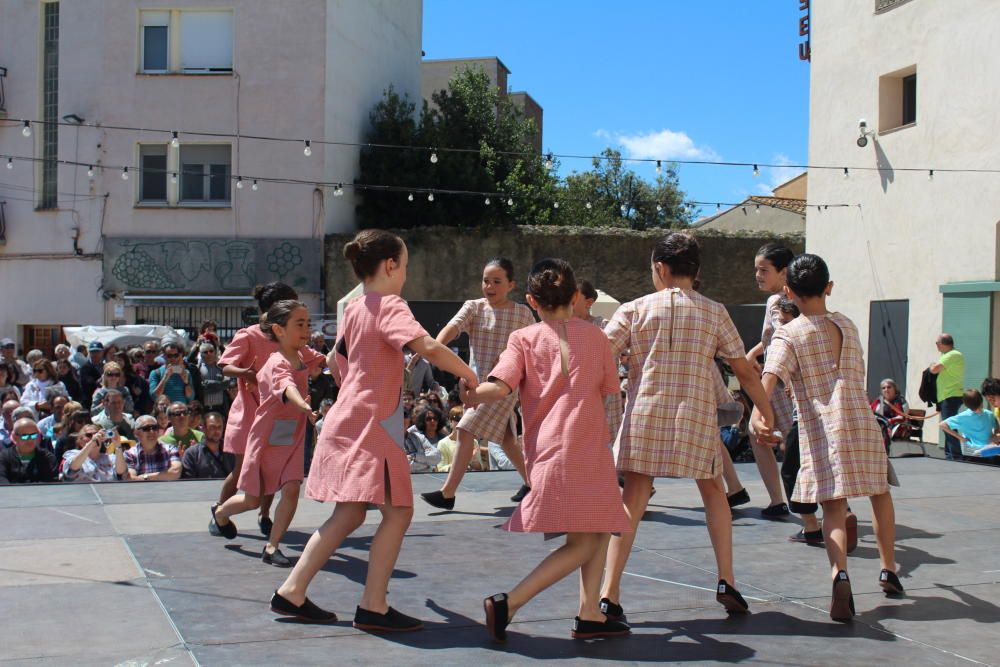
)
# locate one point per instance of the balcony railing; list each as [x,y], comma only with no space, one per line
[3,95]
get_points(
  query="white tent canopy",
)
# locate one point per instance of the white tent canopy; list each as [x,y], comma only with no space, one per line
[346,299]
[124,335]
[605,306]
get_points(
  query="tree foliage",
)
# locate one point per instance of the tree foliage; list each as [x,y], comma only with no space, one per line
[497,156]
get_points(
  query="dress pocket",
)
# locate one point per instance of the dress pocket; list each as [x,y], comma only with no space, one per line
[282,433]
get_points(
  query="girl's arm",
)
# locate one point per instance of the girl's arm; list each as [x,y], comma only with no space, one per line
[759,391]
[487,392]
[441,356]
[293,396]
[754,353]
[448,334]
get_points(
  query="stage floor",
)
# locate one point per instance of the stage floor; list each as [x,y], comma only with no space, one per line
[128,574]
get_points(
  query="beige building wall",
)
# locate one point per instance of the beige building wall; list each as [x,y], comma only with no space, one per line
[309,69]
[438,72]
[796,188]
[905,235]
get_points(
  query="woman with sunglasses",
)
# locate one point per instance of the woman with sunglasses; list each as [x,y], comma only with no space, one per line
[113,379]
[97,458]
[44,377]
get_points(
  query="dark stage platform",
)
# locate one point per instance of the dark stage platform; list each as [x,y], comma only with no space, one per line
[128,574]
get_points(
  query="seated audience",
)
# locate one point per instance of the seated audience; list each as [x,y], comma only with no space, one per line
[448,445]
[137,386]
[151,460]
[174,380]
[69,376]
[7,377]
[27,460]
[114,416]
[113,379]
[196,416]
[180,435]
[96,458]
[974,427]
[206,459]
[213,383]
[90,372]
[22,371]
[63,353]
[892,407]
[57,401]
[74,419]
[7,424]
[33,395]
[423,456]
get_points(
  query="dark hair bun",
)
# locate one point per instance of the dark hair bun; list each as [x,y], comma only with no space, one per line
[351,250]
[370,248]
[551,283]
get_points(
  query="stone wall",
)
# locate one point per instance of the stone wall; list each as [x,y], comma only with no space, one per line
[446,262]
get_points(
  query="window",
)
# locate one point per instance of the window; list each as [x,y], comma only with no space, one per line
[897,95]
[205,173]
[205,43]
[153,179]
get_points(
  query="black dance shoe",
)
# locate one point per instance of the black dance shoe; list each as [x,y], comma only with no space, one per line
[437,499]
[390,621]
[613,611]
[276,559]
[497,616]
[842,601]
[306,611]
[594,629]
[521,493]
[227,531]
[775,512]
[890,583]
[741,497]
[730,598]
[265,525]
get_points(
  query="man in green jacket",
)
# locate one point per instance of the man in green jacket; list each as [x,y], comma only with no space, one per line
[950,371]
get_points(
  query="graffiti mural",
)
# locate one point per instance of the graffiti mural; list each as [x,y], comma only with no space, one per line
[209,266]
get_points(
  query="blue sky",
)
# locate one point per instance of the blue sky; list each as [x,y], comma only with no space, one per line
[698,79]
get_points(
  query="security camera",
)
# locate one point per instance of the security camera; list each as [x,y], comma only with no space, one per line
[863,133]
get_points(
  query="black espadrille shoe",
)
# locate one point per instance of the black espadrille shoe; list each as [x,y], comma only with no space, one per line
[306,611]
[730,598]
[890,583]
[390,621]
[437,499]
[595,629]
[497,616]
[227,531]
[521,493]
[741,497]
[613,611]
[842,601]
[276,559]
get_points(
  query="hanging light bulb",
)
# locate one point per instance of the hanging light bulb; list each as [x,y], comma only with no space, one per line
[659,167]
[659,209]
[589,206]
[239,183]
[624,209]
[744,209]
[718,206]
[510,201]
[254,186]
[434,157]
[174,141]
[173,178]
[757,210]
[930,175]
[90,172]
[124,173]
[847,174]
[756,171]
[549,162]
[339,190]
[10,163]
[26,130]
[430,196]
[487,201]
[409,197]
[307,151]
[555,204]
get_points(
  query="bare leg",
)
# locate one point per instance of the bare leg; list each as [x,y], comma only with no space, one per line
[235,505]
[720,524]
[884,523]
[636,498]
[229,485]
[810,523]
[763,454]
[513,451]
[835,533]
[579,548]
[284,514]
[463,452]
[733,484]
[591,573]
[346,518]
[384,552]
[265,507]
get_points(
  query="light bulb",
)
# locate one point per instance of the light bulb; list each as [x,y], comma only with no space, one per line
[10,163]
[338,191]
[549,162]
[90,172]
[26,130]
[847,174]
[124,173]
[410,197]
[254,186]
[659,167]
[589,206]
[175,142]
[487,201]
[756,171]
[173,178]
[718,207]
[757,209]
[307,151]
[930,175]
[434,157]
[430,196]
[510,201]
[624,209]
[555,204]
[239,183]
[659,209]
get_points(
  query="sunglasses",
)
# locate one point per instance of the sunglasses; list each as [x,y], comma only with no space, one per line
[10,347]
[148,428]
[430,418]
[179,414]
[38,371]
[113,375]
[172,356]
[27,436]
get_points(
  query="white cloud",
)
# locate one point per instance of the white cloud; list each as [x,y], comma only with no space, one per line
[661,145]
[777,175]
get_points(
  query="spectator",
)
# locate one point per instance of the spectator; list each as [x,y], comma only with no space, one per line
[208,333]
[180,435]
[27,461]
[8,349]
[206,460]
[213,384]
[324,407]
[423,456]
[112,380]
[70,378]
[950,371]
[137,386]
[419,373]
[162,418]
[232,391]
[91,372]
[317,341]
[408,399]
[96,457]
[196,416]
[150,356]
[8,374]
[7,426]
[173,380]
[45,377]
[429,423]
[891,407]
[991,392]
[79,357]
[974,428]
[63,353]
[448,446]
[114,416]
[434,400]
[152,460]
[134,355]
[57,401]
[74,419]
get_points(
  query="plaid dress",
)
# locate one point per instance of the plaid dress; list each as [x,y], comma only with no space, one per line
[670,427]
[784,409]
[840,443]
[488,329]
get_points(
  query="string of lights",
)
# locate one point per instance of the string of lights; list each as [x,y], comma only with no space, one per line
[412,192]
[549,157]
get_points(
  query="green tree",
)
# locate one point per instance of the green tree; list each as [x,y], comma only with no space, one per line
[611,195]
[497,156]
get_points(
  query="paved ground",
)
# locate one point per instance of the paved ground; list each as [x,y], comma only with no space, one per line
[127,574]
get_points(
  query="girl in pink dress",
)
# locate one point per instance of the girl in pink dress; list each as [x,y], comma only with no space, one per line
[274,456]
[243,357]
[359,458]
[563,368]
[489,322]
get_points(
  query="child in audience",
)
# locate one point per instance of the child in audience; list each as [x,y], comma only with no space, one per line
[974,427]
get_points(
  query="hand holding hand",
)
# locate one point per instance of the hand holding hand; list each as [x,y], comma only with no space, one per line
[762,429]
[466,394]
[753,362]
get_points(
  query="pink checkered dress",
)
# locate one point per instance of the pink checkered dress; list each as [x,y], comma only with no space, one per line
[784,409]
[362,438]
[670,428]
[839,440]
[614,407]
[489,329]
